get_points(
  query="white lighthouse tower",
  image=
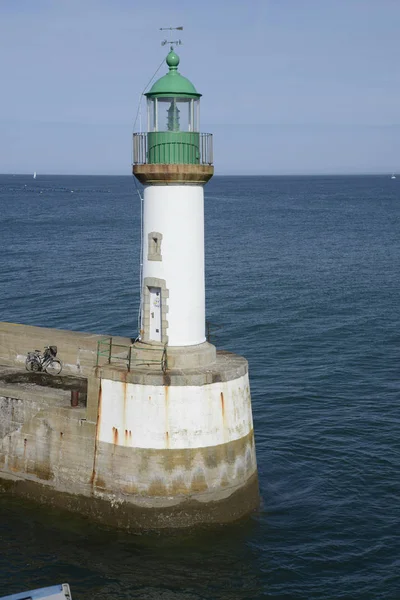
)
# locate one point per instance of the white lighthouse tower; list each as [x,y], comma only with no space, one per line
[175,431]
[174,155]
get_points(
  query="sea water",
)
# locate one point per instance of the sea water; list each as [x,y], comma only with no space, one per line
[303,278]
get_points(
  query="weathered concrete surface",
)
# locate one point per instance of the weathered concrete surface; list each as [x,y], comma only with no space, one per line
[59,455]
[178,357]
[124,515]
[20,403]
[45,441]
[21,377]
[55,446]
[153,478]
[39,430]
[227,366]
[77,351]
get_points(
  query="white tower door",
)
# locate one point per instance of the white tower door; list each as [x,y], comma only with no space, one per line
[155,314]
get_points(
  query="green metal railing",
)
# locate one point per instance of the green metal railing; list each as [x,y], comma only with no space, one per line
[172,148]
[211,329]
[122,353]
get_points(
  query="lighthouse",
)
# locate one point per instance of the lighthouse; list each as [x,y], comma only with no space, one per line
[174,161]
[174,438]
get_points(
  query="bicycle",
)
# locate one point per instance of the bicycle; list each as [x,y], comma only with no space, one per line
[46,362]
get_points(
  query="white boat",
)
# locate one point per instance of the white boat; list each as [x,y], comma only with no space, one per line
[54,592]
[393,176]
[34,175]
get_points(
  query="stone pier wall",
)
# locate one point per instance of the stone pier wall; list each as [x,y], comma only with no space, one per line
[150,449]
[76,350]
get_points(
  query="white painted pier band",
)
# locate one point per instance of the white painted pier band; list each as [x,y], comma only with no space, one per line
[175,417]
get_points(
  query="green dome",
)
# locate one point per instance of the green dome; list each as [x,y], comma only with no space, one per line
[173,83]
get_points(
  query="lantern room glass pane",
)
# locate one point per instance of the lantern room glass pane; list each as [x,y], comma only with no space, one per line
[151,114]
[195,114]
[173,114]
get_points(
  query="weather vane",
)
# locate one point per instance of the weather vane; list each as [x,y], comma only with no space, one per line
[172,42]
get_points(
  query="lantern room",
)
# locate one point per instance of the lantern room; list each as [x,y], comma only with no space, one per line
[173,103]
[173,118]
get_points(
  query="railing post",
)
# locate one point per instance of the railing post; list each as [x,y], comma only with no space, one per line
[110,351]
[129,357]
[164,360]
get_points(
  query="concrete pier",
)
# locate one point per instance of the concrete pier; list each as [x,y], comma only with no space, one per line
[145,448]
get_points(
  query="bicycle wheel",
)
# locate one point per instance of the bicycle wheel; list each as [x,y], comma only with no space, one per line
[32,365]
[54,367]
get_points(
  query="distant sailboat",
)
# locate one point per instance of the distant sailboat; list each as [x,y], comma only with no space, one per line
[393,176]
[34,175]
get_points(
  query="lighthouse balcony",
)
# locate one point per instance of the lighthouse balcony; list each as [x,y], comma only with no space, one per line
[172,157]
[172,148]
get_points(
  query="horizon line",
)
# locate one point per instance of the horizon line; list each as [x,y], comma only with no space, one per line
[322,174]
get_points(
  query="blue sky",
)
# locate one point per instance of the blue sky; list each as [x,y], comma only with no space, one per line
[289,86]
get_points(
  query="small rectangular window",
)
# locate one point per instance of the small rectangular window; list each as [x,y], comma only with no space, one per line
[154,246]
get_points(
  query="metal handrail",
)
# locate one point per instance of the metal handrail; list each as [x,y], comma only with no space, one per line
[211,328]
[141,146]
[129,358]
